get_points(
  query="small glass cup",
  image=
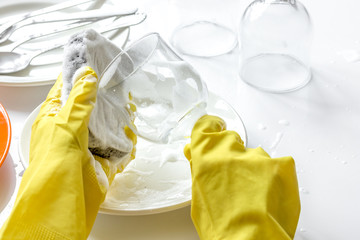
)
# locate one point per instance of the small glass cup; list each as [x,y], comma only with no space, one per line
[203,38]
[205,27]
[158,86]
[275,38]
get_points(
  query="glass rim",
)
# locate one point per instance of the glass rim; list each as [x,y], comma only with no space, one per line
[124,51]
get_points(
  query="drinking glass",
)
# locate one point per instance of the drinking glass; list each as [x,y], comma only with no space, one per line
[206,27]
[275,38]
[159,87]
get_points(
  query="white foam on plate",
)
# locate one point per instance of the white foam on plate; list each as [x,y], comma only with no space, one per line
[159,179]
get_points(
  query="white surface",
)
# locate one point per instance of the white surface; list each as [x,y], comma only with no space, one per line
[318,125]
[153,182]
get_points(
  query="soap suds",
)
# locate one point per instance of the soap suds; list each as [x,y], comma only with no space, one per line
[164,93]
[284,122]
[110,116]
[159,176]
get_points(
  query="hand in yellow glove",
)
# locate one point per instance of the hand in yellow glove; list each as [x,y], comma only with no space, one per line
[60,194]
[239,193]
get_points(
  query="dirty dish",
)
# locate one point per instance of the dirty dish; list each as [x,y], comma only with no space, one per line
[159,178]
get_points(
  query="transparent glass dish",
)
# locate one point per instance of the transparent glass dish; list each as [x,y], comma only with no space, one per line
[203,39]
[275,37]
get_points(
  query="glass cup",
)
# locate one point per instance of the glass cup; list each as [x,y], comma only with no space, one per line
[275,38]
[159,87]
[205,28]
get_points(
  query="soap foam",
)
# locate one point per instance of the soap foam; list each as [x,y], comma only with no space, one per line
[167,104]
[158,177]
[110,115]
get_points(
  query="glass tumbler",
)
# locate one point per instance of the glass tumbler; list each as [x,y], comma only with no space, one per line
[157,86]
[205,28]
[275,37]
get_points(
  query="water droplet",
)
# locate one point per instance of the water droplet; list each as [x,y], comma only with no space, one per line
[278,138]
[21,173]
[273,154]
[284,122]
[350,55]
[303,190]
[311,150]
[262,127]
[300,171]
[15,165]
[302,230]
[344,162]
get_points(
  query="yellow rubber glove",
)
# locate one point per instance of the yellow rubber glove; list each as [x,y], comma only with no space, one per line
[239,193]
[59,195]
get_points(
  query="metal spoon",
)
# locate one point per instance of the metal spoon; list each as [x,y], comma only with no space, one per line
[12,46]
[8,27]
[91,15]
[11,62]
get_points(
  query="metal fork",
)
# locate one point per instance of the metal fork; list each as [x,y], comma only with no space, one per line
[86,16]
[8,26]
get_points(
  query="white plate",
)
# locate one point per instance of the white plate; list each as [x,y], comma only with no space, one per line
[43,70]
[159,179]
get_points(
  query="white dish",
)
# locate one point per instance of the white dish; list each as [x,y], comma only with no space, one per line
[43,70]
[157,185]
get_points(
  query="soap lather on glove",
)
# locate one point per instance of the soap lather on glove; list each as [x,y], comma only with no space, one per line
[111,139]
[62,189]
[239,193]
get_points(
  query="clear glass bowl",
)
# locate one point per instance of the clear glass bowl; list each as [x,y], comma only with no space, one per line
[275,37]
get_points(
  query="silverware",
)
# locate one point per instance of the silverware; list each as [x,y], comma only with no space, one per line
[92,15]
[11,47]
[11,62]
[8,26]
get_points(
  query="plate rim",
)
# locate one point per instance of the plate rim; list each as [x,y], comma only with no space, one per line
[130,212]
[5,116]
